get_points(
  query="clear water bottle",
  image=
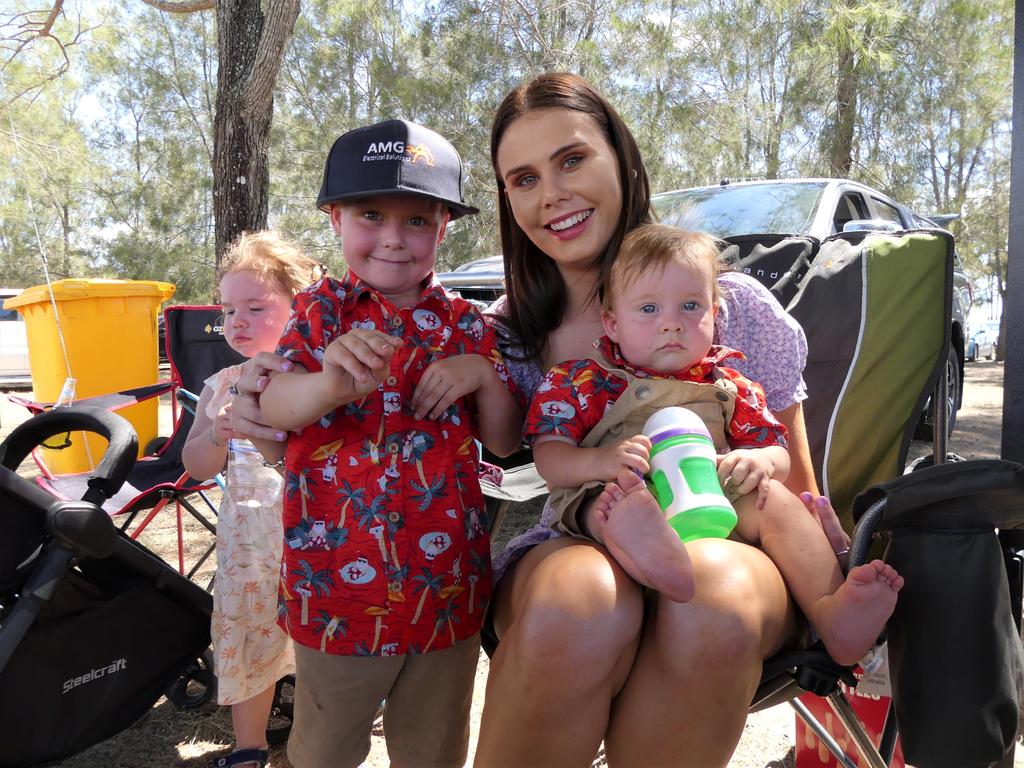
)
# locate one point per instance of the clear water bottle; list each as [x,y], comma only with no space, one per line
[249,483]
[684,475]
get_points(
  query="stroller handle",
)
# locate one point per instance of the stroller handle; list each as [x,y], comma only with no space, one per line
[116,463]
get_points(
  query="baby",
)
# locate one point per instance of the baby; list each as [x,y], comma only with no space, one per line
[658,312]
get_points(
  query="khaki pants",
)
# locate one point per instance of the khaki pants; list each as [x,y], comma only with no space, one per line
[426,714]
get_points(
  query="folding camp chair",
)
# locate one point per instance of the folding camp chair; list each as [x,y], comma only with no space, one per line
[195,349]
[876,311]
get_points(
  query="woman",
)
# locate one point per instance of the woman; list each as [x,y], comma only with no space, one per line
[584,654]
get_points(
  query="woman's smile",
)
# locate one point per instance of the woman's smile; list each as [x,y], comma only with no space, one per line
[569,226]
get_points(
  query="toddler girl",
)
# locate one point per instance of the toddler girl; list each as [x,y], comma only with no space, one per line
[260,275]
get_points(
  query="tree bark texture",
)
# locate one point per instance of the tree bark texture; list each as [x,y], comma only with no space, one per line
[840,151]
[250,49]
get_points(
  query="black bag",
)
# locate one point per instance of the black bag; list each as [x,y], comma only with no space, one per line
[101,652]
[954,650]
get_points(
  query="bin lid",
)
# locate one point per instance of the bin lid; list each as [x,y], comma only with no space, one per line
[92,288]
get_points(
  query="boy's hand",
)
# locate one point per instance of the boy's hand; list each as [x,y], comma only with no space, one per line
[445,381]
[744,470]
[631,453]
[362,354]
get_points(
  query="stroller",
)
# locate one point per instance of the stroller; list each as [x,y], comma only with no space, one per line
[93,627]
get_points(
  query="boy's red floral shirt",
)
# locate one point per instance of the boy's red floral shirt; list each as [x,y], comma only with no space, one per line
[576,394]
[386,537]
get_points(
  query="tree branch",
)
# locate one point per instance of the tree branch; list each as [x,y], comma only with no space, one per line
[277,29]
[181,6]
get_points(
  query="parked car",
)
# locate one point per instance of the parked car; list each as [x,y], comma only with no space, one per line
[983,341]
[817,207]
[14,367]
[480,281]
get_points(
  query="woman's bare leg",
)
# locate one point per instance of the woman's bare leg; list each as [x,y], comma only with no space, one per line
[569,620]
[699,663]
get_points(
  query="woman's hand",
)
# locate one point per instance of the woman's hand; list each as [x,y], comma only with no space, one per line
[821,508]
[246,418]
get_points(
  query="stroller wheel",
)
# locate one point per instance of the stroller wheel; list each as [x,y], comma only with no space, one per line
[280,723]
[196,684]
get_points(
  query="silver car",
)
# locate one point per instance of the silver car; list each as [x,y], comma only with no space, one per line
[817,207]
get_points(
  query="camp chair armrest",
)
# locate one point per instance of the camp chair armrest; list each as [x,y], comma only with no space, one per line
[862,533]
[113,401]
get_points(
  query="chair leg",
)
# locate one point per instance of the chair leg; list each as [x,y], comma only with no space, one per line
[848,717]
[823,735]
[500,510]
[887,742]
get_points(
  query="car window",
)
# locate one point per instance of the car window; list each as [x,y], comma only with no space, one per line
[851,207]
[8,314]
[887,212]
[742,210]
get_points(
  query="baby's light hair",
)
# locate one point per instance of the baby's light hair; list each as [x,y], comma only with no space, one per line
[655,246]
[273,259]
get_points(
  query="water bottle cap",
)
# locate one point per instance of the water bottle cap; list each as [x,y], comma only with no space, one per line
[669,432]
[672,422]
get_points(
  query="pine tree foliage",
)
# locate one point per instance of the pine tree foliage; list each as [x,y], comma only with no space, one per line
[113,159]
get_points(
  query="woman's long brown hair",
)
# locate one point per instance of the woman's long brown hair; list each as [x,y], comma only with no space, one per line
[536,292]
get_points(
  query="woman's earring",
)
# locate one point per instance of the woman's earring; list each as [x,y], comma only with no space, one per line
[634,173]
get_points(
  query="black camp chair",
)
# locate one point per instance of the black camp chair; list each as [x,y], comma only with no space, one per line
[196,350]
[876,311]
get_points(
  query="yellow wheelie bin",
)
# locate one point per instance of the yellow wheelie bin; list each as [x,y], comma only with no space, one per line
[103,334]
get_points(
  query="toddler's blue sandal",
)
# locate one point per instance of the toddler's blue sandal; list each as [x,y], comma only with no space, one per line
[254,757]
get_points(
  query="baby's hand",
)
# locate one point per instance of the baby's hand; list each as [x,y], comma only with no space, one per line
[445,381]
[744,470]
[631,453]
[221,428]
[362,354]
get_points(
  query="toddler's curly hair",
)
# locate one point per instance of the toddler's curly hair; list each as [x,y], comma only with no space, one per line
[274,259]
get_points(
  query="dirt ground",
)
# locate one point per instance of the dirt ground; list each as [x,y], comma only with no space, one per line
[169,736]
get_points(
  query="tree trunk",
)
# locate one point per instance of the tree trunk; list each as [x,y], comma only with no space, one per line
[250,48]
[840,150]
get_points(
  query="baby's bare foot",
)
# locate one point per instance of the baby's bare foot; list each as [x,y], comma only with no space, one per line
[637,536]
[854,616]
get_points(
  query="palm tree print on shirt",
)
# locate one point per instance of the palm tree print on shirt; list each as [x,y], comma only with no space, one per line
[310,582]
[425,583]
[329,626]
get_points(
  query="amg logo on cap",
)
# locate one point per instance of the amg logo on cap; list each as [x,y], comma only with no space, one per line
[397,150]
[117,665]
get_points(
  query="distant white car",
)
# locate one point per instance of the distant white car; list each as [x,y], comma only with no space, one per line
[13,343]
[983,341]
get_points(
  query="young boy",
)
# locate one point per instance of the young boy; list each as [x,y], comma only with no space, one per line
[386,572]
[658,311]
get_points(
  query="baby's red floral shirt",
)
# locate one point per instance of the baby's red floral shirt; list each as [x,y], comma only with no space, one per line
[575,395]
[386,535]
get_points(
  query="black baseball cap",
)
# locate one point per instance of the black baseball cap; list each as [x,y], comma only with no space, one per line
[394,157]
